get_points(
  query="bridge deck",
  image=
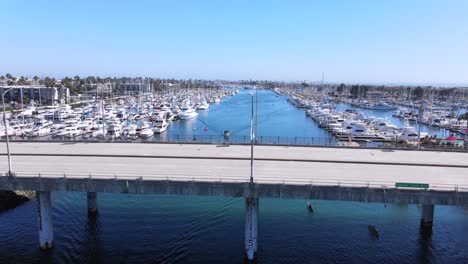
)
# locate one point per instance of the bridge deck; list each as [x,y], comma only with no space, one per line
[241,151]
[274,164]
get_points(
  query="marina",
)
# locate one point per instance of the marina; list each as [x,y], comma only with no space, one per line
[188,116]
[200,132]
[391,125]
[192,230]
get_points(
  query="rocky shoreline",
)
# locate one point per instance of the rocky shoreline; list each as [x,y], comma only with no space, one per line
[12,199]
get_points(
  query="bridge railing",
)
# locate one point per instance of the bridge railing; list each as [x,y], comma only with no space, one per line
[375,184]
[260,140]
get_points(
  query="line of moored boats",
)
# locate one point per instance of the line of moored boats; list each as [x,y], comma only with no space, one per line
[128,117]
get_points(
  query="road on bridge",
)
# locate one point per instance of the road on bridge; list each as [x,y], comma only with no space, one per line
[273,164]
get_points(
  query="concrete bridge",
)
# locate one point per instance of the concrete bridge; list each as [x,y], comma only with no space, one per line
[362,175]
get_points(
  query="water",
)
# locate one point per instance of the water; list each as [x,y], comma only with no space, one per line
[186,229]
[276,117]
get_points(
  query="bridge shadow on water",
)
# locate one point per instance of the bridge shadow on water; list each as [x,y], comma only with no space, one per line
[425,245]
[93,250]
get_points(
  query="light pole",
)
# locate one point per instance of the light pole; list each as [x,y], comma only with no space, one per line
[465,144]
[419,124]
[6,133]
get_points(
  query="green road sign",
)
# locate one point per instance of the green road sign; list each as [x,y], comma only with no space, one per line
[412,185]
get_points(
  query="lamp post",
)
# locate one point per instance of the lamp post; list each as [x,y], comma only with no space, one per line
[465,144]
[6,133]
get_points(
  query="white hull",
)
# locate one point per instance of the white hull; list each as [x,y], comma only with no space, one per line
[160,129]
[185,116]
[146,133]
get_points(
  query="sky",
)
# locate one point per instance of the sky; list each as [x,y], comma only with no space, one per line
[372,41]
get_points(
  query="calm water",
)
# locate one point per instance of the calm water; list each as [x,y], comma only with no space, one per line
[276,117]
[184,229]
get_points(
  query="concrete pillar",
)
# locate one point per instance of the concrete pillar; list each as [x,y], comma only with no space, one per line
[92,203]
[44,213]
[427,216]
[251,228]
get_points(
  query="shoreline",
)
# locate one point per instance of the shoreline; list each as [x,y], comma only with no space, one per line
[12,199]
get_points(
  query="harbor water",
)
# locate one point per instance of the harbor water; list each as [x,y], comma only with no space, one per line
[186,229]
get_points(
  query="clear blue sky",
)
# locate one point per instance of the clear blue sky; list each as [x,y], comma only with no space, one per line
[390,41]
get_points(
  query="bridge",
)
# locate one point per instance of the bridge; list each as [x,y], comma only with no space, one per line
[363,175]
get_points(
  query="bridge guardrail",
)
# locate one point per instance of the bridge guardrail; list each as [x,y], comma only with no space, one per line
[236,179]
[245,140]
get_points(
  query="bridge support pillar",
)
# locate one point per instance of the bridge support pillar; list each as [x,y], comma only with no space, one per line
[427,216]
[92,202]
[251,228]
[44,213]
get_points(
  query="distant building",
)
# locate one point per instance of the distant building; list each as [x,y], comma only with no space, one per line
[38,93]
[132,88]
[375,95]
[121,88]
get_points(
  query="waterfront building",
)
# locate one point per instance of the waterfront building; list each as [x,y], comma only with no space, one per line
[38,93]
[375,95]
[131,88]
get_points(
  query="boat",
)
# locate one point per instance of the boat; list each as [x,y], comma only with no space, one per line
[203,106]
[70,132]
[144,130]
[373,231]
[114,131]
[160,125]
[145,133]
[98,131]
[187,112]
[408,133]
[380,107]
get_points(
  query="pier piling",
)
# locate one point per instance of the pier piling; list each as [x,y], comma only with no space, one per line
[44,213]
[427,216]
[92,202]
[251,228]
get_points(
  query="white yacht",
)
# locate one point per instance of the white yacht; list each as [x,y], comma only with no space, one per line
[98,131]
[70,132]
[41,128]
[409,133]
[144,130]
[187,112]
[39,132]
[86,125]
[114,131]
[160,125]
[130,130]
[203,106]
[146,133]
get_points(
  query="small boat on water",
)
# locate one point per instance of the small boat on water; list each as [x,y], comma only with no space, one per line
[373,231]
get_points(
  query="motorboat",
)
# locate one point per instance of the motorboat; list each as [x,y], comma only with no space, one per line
[203,106]
[70,132]
[408,133]
[98,131]
[142,130]
[114,131]
[187,112]
[160,125]
[146,133]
